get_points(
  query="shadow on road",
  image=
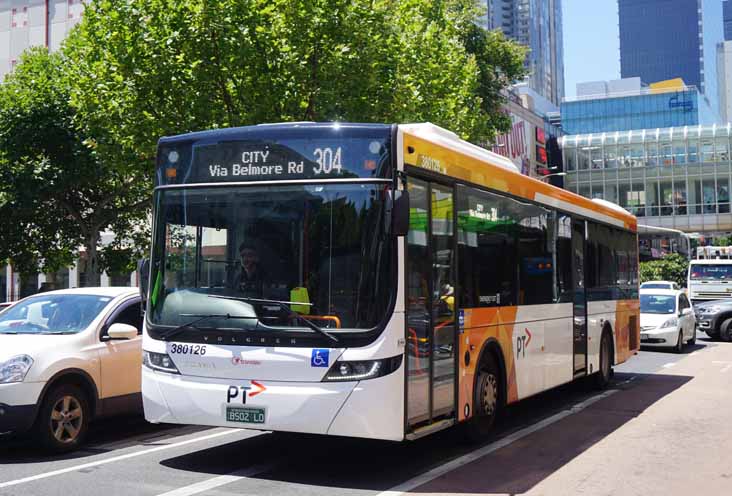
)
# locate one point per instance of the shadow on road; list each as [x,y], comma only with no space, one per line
[105,435]
[377,465]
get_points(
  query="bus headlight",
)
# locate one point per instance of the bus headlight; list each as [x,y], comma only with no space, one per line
[159,361]
[361,370]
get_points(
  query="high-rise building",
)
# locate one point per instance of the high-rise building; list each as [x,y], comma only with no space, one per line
[724,68]
[536,24]
[27,23]
[727,19]
[667,39]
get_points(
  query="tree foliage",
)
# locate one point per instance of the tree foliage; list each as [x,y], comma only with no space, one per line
[56,193]
[672,267]
[78,128]
[148,68]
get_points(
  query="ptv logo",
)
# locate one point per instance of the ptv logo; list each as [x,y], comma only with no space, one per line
[522,342]
[233,392]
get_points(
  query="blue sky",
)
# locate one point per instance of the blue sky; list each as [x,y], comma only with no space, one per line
[591,42]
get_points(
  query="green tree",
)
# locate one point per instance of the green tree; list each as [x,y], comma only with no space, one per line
[672,267]
[56,193]
[144,69]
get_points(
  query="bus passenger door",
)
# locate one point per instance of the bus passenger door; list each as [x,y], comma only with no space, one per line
[580,296]
[430,304]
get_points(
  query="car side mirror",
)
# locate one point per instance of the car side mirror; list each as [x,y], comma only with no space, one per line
[143,278]
[400,214]
[122,331]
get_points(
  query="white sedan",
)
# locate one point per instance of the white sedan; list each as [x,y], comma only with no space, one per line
[66,357]
[666,319]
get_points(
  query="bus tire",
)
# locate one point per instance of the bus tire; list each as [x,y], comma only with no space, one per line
[604,372]
[487,394]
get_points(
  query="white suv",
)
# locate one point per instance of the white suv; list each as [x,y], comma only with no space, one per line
[66,357]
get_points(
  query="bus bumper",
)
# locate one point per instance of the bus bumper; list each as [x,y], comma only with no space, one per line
[371,409]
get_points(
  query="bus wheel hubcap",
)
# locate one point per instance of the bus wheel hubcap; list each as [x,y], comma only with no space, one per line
[489,394]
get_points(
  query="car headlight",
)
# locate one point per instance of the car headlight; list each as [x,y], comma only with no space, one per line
[15,369]
[361,370]
[159,361]
[711,309]
[669,323]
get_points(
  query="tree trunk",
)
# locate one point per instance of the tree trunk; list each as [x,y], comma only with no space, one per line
[91,269]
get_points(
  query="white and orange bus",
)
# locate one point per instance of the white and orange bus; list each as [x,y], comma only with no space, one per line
[377,281]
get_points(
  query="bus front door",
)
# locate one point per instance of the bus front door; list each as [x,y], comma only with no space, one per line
[430,304]
[580,297]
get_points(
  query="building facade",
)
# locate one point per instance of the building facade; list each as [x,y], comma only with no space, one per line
[666,39]
[531,144]
[27,23]
[536,24]
[727,19]
[675,178]
[604,106]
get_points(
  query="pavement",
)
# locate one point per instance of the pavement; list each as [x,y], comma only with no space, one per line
[661,428]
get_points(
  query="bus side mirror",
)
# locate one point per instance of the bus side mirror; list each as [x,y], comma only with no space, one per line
[143,278]
[401,213]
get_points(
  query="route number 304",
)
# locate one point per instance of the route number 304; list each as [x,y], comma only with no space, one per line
[328,160]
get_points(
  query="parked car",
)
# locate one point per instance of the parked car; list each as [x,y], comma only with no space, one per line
[660,285]
[4,305]
[67,357]
[666,319]
[715,318]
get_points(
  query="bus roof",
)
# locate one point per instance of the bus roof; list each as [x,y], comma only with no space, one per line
[266,130]
[711,261]
[432,148]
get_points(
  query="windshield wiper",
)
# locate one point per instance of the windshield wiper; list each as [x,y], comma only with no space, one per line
[166,335]
[283,305]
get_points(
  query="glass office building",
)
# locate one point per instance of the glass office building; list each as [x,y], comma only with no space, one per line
[666,39]
[643,110]
[727,19]
[673,177]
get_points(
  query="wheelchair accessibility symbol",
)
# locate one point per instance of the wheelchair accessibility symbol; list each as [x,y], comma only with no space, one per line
[319,358]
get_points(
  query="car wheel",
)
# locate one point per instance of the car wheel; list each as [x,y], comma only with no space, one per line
[602,378]
[725,331]
[692,341]
[679,343]
[63,419]
[486,400]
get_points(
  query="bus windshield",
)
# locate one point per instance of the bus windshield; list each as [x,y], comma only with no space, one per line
[323,248]
[711,272]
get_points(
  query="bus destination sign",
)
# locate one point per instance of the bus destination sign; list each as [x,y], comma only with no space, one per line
[250,160]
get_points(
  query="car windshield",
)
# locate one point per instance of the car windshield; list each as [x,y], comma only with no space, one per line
[711,272]
[323,249]
[657,303]
[52,314]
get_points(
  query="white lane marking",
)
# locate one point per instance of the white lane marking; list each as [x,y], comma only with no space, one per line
[221,480]
[668,365]
[116,458]
[485,450]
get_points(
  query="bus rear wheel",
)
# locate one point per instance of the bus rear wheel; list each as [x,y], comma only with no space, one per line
[604,372]
[486,400]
